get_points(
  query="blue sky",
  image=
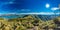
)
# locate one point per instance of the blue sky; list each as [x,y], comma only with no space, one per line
[27,6]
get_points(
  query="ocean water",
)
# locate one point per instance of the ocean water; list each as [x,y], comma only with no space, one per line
[9,17]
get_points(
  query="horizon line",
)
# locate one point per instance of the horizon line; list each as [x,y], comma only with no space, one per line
[41,13]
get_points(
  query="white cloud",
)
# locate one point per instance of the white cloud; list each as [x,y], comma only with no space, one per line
[55,8]
[41,13]
[11,2]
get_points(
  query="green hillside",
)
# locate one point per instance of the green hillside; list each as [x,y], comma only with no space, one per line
[28,23]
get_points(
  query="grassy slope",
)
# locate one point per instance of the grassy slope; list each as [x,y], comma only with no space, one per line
[28,22]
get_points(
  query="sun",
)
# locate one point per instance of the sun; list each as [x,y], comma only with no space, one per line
[47,5]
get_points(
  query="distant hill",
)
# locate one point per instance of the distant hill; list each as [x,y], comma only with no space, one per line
[42,17]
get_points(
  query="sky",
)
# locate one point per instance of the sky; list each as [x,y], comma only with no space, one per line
[27,6]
